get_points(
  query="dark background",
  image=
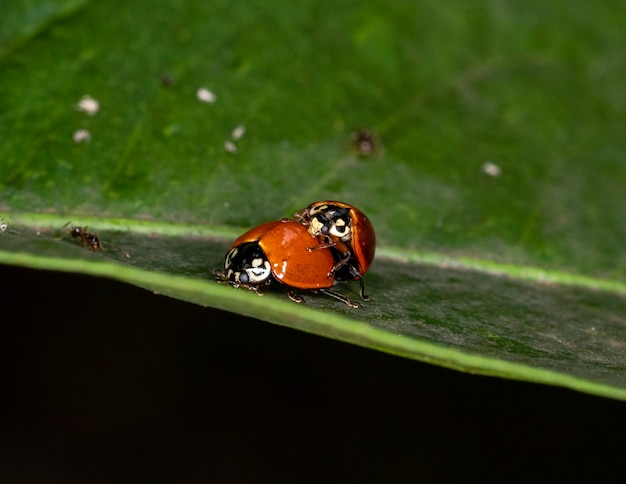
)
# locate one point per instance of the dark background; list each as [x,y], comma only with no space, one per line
[105,382]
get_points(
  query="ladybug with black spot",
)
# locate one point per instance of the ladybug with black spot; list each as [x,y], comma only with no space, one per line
[281,252]
[349,234]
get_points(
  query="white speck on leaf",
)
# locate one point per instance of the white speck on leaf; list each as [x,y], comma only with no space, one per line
[88,105]
[81,136]
[238,132]
[491,169]
[205,96]
[230,147]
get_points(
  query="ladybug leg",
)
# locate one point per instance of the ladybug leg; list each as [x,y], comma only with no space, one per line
[357,276]
[294,297]
[339,264]
[364,296]
[222,277]
[249,287]
[325,245]
[341,297]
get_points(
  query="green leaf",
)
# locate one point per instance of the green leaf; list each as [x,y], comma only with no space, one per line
[24,19]
[496,190]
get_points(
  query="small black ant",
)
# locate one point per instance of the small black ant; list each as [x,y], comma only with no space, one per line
[89,240]
[85,237]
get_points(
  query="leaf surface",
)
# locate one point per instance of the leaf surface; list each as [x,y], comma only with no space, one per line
[495,186]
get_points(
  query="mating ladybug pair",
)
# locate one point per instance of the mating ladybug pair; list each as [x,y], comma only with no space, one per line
[323,244]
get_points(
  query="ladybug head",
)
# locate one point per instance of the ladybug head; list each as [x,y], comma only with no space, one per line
[331,221]
[247,265]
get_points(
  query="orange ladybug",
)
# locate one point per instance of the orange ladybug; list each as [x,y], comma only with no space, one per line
[281,252]
[347,232]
